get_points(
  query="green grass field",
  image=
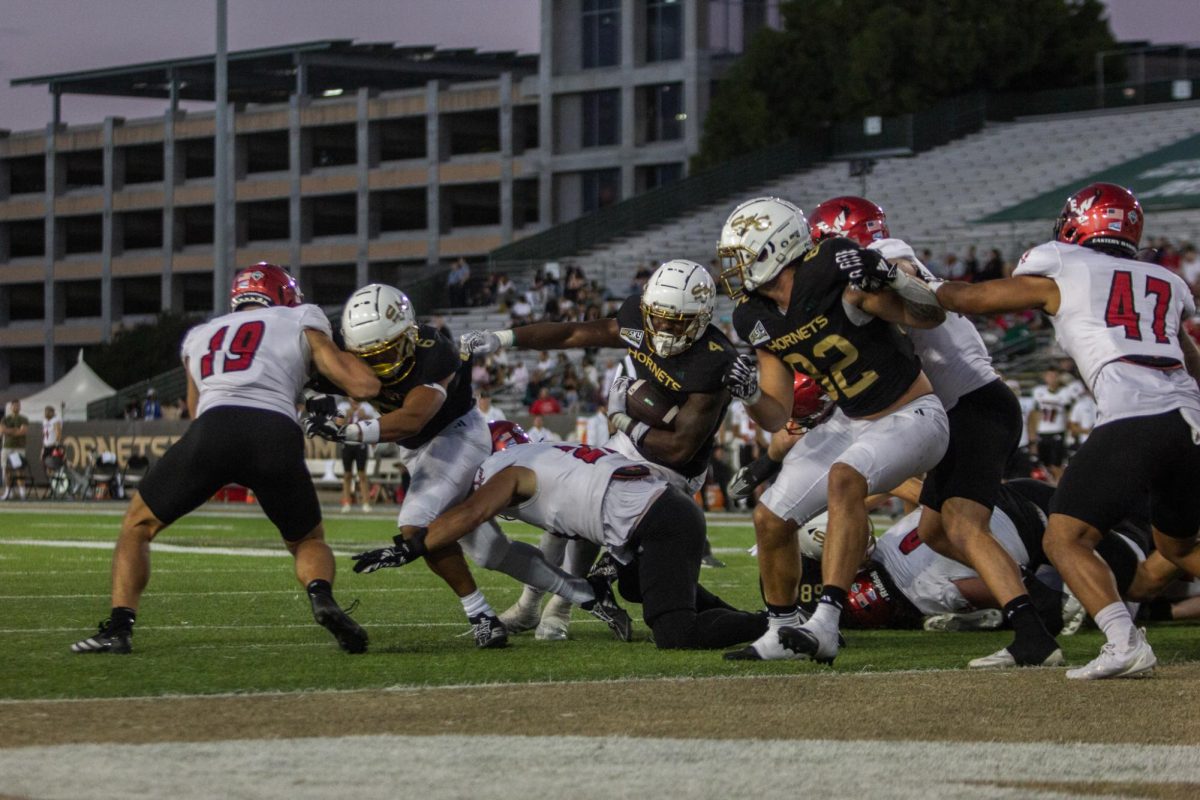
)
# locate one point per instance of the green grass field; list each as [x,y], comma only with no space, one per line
[231,618]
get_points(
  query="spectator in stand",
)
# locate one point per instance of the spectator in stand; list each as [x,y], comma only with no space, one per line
[934,265]
[544,368]
[1189,267]
[971,264]
[457,282]
[954,269]
[151,408]
[538,294]
[521,313]
[480,376]
[570,387]
[545,403]
[13,429]
[993,268]
[133,409]
[574,283]
[505,291]
[597,432]
[518,379]
[491,412]
[538,432]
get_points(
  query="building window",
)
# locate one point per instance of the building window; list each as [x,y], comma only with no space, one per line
[662,112]
[601,33]
[653,176]
[601,118]
[664,30]
[601,187]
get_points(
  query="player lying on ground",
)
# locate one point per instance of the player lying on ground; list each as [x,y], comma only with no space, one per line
[244,371]
[1120,320]
[650,527]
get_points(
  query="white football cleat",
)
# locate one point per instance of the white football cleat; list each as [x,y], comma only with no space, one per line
[556,619]
[1135,660]
[1073,614]
[1002,659]
[985,619]
[520,616]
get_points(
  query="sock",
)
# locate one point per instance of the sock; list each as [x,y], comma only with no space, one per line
[782,616]
[829,609]
[320,586]
[476,605]
[1116,623]
[1032,643]
[123,617]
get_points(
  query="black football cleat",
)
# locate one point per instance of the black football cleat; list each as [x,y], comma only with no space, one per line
[108,639]
[605,608]
[329,615]
[806,643]
[489,631]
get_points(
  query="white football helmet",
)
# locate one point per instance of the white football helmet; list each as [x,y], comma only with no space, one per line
[677,305]
[812,537]
[760,238]
[380,327]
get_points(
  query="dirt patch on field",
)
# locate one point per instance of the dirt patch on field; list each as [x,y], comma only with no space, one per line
[1142,791]
[1029,705]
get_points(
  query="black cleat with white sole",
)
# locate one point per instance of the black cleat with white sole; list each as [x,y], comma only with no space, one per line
[605,608]
[329,615]
[806,643]
[109,638]
[489,632]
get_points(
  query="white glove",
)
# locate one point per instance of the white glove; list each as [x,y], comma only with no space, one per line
[365,432]
[481,343]
[616,395]
[741,378]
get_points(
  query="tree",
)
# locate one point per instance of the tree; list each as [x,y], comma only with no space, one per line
[141,352]
[843,59]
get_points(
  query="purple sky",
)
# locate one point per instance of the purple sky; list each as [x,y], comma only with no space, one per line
[38,37]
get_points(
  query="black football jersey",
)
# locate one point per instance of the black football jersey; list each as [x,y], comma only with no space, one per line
[699,369]
[436,357]
[865,368]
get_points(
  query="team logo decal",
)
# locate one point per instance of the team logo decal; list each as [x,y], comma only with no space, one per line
[838,227]
[1133,218]
[759,334]
[753,221]
[715,348]
[1080,210]
[702,292]
[633,336]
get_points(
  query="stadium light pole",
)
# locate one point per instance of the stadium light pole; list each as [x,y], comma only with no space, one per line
[221,167]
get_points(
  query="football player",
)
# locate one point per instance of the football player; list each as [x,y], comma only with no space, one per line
[244,371]
[828,310]
[426,407]
[1119,319]
[985,427]
[669,338]
[654,532]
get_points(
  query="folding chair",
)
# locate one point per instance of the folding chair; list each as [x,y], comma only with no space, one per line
[58,478]
[135,469]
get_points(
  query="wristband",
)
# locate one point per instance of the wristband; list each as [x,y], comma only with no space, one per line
[369,430]
[621,421]
[507,338]
[637,433]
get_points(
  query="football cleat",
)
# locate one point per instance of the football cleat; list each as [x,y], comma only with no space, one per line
[605,609]
[1136,660]
[520,616]
[556,619]
[605,567]
[1073,614]
[985,619]
[1003,659]
[108,639]
[329,615]
[489,631]
[711,561]
[816,643]
[768,647]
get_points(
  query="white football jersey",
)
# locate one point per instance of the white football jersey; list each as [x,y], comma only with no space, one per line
[1116,309]
[953,354]
[1083,414]
[926,578]
[255,358]
[1052,405]
[1026,410]
[587,492]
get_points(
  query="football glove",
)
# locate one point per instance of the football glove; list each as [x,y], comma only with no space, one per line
[741,379]
[756,472]
[323,425]
[481,343]
[323,404]
[403,551]
[616,395]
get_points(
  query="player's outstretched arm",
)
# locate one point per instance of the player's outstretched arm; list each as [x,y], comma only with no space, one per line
[1019,293]
[696,418]
[544,336]
[346,370]
[508,486]
[890,306]
[420,405]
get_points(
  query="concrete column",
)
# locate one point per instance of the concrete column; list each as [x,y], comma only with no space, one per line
[697,69]
[506,158]
[51,245]
[433,159]
[546,131]
[630,27]
[170,171]
[107,231]
[362,209]
[295,103]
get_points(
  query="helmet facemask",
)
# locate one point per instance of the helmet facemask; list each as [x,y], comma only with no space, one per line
[394,359]
[670,330]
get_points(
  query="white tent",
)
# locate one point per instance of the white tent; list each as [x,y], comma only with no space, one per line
[70,395]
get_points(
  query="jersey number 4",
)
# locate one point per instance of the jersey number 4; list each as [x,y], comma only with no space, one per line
[1121,312]
[243,345]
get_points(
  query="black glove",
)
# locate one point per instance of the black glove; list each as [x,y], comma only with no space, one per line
[866,270]
[741,378]
[324,426]
[403,551]
[757,471]
[321,404]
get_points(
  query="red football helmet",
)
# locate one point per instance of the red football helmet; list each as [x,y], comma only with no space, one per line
[506,434]
[810,404]
[1102,214]
[855,218]
[873,601]
[266,284]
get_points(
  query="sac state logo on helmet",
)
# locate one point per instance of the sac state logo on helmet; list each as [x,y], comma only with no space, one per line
[1102,215]
[380,327]
[506,434]
[855,218]
[264,284]
[677,305]
[759,239]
